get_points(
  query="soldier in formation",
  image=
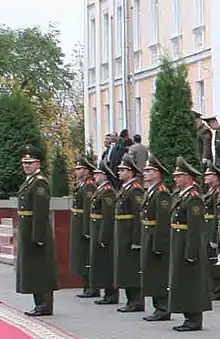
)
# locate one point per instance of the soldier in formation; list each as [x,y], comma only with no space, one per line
[188,274]
[212,180]
[127,240]
[80,225]
[155,239]
[36,267]
[102,216]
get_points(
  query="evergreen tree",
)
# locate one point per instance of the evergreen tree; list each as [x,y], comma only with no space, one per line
[59,175]
[172,127]
[18,127]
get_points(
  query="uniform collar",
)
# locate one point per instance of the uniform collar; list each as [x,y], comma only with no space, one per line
[102,185]
[128,182]
[33,174]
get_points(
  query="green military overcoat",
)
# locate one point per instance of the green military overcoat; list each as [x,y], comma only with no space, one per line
[189,290]
[155,241]
[127,233]
[79,228]
[101,241]
[35,266]
[211,217]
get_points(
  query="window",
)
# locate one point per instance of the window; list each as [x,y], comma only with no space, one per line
[95,129]
[138,115]
[176,18]
[199,12]
[154,22]
[118,34]
[92,42]
[200,96]
[121,119]
[105,38]
[136,25]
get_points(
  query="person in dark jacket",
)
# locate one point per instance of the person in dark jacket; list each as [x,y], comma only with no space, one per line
[36,264]
[102,217]
[189,289]
[79,228]
[127,236]
[156,239]
[215,128]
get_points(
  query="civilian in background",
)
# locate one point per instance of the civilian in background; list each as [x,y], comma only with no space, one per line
[107,144]
[138,152]
[120,148]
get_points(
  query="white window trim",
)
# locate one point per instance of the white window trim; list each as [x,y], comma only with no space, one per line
[118,29]
[200,22]
[153,22]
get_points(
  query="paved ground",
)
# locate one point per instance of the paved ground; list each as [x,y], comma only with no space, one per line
[89,321]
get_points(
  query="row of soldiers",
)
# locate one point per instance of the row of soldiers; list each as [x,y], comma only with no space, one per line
[149,242]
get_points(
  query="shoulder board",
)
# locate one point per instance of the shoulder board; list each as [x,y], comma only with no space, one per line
[193,192]
[107,187]
[90,181]
[162,188]
[136,184]
[39,176]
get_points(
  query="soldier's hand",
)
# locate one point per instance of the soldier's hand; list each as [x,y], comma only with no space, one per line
[158,253]
[204,161]
[102,245]
[213,245]
[86,236]
[135,247]
[40,244]
[190,261]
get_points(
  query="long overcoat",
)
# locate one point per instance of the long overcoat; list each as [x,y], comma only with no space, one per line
[155,241]
[36,264]
[189,289]
[127,233]
[79,228]
[102,216]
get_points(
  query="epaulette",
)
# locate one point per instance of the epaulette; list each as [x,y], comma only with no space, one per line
[193,192]
[89,181]
[136,184]
[107,187]
[162,188]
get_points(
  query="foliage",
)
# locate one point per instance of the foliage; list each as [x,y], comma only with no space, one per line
[18,127]
[59,175]
[172,128]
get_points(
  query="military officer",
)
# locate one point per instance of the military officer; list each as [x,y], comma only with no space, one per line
[188,273]
[102,228]
[155,239]
[128,236]
[212,180]
[204,137]
[213,123]
[79,229]
[35,269]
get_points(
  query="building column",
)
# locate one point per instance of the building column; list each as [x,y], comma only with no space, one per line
[86,71]
[98,79]
[215,45]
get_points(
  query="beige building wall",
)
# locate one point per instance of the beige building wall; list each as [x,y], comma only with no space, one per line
[131,49]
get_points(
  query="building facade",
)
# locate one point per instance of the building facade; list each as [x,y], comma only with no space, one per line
[124,40]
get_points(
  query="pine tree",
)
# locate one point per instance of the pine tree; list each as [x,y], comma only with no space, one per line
[172,127]
[18,127]
[59,175]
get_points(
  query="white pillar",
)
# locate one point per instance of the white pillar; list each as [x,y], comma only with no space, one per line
[86,94]
[215,45]
[98,79]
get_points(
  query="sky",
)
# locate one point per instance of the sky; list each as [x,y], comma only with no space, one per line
[68,14]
